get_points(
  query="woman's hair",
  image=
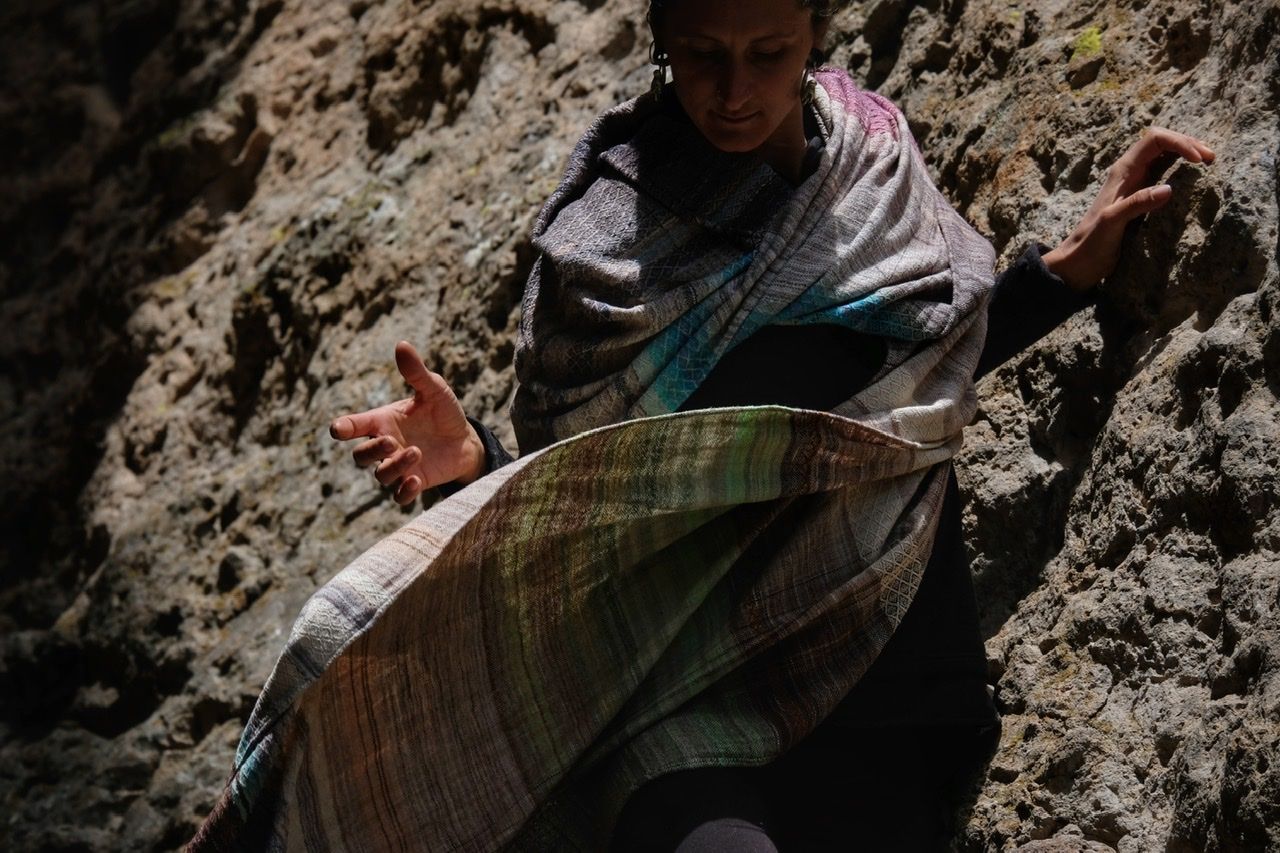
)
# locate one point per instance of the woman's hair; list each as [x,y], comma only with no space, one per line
[820,8]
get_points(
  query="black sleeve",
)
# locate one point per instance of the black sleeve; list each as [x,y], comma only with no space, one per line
[1029,301]
[495,456]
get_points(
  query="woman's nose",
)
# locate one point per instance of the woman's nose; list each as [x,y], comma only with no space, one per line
[734,88]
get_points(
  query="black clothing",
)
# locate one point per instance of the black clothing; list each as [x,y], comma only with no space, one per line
[837,790]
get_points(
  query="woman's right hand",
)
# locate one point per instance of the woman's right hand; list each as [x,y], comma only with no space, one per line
[419,442]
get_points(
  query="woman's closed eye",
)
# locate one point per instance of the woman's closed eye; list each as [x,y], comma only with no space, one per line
[707,55]
[717,58]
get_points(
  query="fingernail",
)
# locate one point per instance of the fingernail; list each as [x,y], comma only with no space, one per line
[1161,192]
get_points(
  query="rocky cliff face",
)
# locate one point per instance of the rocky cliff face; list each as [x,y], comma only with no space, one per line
[220,215]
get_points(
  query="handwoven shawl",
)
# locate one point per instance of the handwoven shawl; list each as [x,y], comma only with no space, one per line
[644,590]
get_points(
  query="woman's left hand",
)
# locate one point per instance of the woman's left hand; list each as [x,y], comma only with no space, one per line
[1092,250]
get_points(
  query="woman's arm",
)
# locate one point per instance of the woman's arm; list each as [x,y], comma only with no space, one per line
[1029,301]
[1042,288]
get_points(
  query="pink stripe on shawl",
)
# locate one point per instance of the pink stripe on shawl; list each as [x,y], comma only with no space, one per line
[876,114]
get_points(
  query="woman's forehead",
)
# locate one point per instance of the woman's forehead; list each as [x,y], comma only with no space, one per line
[735,19]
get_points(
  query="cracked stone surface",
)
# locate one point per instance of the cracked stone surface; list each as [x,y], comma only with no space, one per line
[220,215]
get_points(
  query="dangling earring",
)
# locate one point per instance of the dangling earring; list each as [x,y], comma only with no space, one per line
[659,58]
[808,85]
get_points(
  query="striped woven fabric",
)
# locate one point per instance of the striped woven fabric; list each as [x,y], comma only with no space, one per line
[642,591]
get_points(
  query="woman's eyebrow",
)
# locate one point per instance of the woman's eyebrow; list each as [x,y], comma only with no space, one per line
[785,35]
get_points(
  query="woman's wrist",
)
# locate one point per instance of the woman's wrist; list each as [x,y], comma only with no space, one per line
[474,454]
[1060,262]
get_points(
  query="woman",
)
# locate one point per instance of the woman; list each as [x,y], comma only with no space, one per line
[600,639]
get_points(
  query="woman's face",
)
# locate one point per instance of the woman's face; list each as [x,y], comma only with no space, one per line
[738,68]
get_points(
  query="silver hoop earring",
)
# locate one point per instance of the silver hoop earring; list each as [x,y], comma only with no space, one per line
[660,59]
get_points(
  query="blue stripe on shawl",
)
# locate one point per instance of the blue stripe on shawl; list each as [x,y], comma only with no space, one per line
[680,349]
[872,314]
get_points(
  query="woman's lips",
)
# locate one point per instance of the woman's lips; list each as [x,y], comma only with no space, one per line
[734,119]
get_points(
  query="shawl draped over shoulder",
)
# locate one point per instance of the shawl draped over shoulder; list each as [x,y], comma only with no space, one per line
[644,590]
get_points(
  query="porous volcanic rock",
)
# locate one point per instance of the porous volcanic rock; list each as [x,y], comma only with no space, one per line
[1123,477]
[219,216]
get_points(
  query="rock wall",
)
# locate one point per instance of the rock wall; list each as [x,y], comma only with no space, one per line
[220,215]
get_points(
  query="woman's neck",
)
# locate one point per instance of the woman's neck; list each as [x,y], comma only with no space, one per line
[784,151]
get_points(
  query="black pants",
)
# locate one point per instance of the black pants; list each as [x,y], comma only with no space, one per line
[842,788]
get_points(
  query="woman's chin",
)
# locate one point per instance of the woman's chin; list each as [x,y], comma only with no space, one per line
[730,139]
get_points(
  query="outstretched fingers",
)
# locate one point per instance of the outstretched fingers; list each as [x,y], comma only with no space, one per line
[397,432]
